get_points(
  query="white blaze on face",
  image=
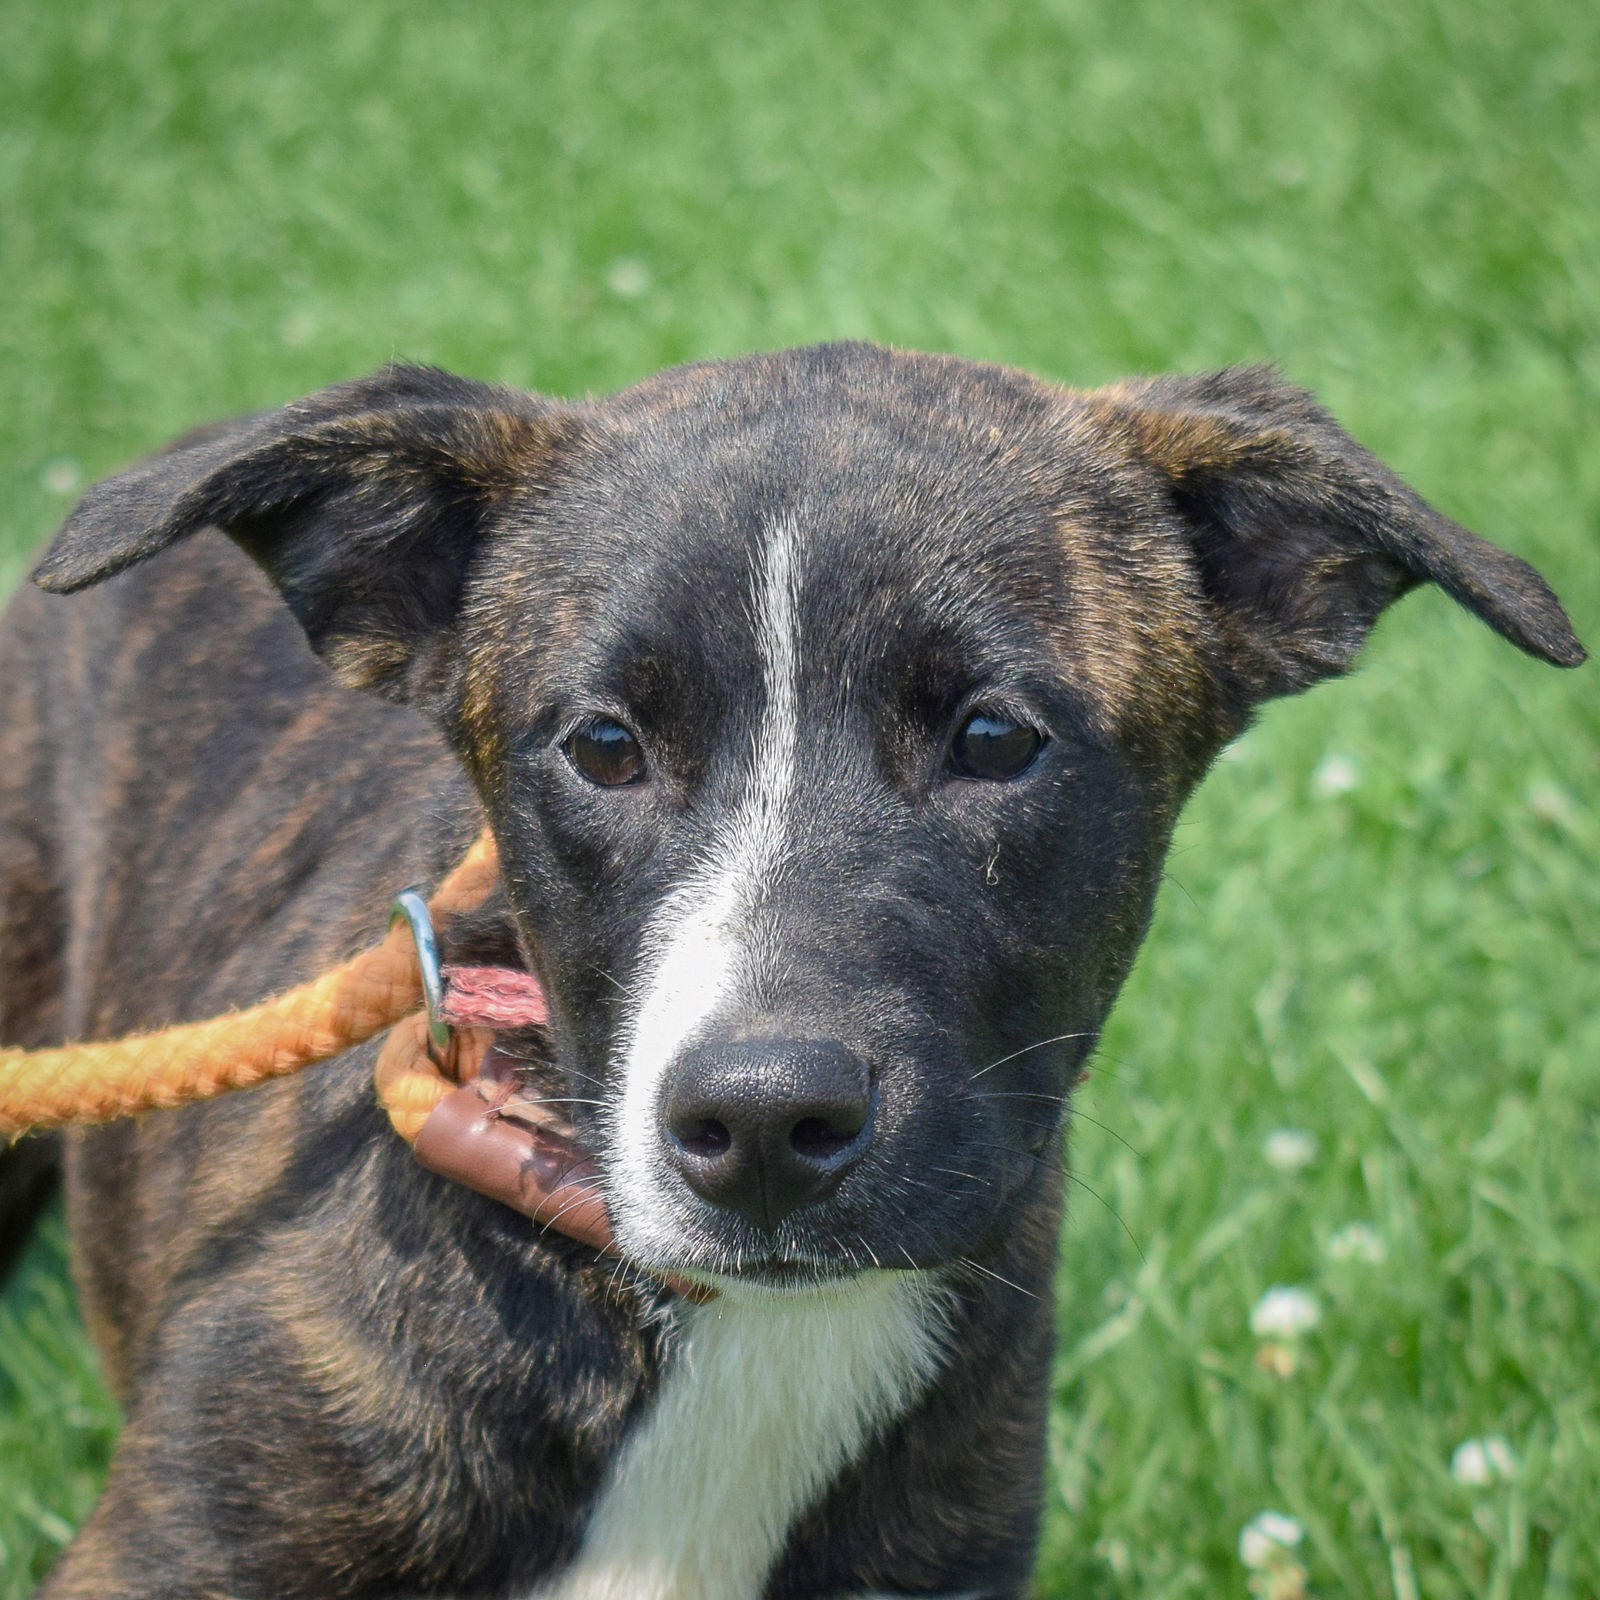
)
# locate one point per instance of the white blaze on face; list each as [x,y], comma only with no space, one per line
[699,946]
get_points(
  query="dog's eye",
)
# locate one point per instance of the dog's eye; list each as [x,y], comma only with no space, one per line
[606,753]
[989,745]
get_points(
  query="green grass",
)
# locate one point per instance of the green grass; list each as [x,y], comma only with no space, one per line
[1384,915]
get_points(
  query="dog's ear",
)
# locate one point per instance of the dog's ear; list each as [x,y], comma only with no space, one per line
[364,503]
[1302,537]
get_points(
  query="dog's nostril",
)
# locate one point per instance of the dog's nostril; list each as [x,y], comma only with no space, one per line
[819,1138]
[706,1138]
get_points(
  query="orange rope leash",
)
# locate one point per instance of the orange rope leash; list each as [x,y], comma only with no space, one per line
[495,1142]
[192,1061]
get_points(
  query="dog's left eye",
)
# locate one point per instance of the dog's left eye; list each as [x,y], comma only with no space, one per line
[606,753]
[992,746]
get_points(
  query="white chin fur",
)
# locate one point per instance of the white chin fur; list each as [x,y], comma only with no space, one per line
[762,1404]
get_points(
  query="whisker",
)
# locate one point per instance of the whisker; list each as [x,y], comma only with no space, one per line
[1017,1094]
[988,1272]
[1078,1115]
[590,1189]
[922,1183]
[1010,1149]
[1133,1150]
[1100,1058]
[843,1252]
[1039,1044]
[1072,1177]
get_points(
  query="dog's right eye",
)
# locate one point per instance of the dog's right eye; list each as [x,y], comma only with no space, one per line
[606,753]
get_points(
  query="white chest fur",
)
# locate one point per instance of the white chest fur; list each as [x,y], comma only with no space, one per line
[763,1402]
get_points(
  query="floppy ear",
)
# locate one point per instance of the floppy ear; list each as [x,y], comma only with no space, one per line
[364,503]
[1302,537]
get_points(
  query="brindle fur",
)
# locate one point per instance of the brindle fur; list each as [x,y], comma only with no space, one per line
[343,1376]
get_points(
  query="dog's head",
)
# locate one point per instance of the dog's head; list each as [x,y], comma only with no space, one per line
[832,710]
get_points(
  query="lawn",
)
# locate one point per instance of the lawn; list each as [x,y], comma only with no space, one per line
[1361,1055]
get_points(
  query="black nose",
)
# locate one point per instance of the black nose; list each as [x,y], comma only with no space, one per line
[766,1126]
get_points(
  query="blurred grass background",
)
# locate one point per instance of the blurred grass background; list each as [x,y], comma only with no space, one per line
[1383,918]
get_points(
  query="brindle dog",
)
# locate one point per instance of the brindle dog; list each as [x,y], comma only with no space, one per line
[832,710]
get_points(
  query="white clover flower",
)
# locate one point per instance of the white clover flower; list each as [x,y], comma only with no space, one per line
[1358,1241]
[62,475]
[1480,1462]
[1289,1149]
[1284,1313]
[1266,1538]
[1549,802]
[296,328]
[1334,775]
[628,277]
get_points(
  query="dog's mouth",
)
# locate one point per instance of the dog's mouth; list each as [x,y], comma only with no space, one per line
[774,1274]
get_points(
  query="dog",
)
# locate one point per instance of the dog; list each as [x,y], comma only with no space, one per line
[832,710]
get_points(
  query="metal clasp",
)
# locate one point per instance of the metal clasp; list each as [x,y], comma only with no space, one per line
[411,905]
